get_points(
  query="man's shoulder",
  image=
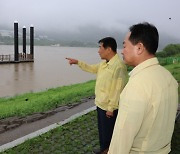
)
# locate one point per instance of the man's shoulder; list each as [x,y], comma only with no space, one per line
[154,74]
[119,63]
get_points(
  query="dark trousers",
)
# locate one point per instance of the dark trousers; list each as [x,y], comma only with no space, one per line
[105,127]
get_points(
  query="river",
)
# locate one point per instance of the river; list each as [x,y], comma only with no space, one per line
[49,70]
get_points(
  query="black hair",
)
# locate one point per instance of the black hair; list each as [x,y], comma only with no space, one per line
[109,42]
[147,34]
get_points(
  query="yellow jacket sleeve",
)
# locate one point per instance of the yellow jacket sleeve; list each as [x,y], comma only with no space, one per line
[88,68]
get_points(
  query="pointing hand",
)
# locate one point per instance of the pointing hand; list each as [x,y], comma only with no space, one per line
[72,61]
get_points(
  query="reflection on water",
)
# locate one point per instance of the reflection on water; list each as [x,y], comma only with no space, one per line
[50,69]
[23,75]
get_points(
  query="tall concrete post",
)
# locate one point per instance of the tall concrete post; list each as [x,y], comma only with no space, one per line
[32,41]
[24,40]
[16,48]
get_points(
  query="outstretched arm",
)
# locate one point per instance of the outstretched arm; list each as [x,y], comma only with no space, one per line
[84,66]
[72,61]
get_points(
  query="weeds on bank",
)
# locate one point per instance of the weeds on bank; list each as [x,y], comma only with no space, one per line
[175,70]
[29,103]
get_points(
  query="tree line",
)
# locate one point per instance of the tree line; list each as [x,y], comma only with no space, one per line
[169,50]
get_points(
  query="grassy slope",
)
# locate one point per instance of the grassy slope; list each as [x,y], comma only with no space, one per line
[42,101]
[175,71]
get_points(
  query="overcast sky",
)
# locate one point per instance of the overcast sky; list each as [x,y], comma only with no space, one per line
[72,15]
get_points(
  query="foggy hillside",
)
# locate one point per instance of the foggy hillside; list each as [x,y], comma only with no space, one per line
[90,35]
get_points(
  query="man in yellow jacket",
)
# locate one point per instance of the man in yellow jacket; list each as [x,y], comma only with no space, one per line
[111,79]
[148,103]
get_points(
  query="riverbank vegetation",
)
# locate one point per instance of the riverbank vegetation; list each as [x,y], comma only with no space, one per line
[30,103]
[169,57]
[171,50]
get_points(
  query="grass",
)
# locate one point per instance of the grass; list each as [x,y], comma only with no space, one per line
[175,70]
[169,60]
[79,136]
[29,103]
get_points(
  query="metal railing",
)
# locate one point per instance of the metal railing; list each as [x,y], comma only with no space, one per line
[6,57]
[10,57]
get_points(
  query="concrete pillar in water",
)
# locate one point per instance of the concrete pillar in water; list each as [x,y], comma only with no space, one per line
[32,41]
[16,48]
[24,40]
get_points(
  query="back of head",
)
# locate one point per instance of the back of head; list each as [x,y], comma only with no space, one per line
[147,34]
[109,42]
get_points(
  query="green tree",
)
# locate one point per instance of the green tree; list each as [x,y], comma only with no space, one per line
[169,50]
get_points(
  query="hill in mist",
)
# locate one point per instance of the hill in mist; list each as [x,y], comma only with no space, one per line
[85,36]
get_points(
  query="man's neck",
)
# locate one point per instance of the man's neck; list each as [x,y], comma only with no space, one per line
[144,59]
[110,57]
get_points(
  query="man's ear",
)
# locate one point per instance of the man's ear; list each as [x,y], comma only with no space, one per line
[109,49]
[140,48]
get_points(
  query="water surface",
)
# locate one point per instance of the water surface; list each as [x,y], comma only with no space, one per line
[50,69]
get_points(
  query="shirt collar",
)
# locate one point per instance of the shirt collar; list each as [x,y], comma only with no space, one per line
[113,59]
[143,65]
